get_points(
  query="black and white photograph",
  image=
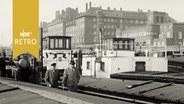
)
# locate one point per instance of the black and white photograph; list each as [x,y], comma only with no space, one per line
[96,52]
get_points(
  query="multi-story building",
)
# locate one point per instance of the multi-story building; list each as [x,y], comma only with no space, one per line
[144,35]
[155,35]
[95,24]
[170,33]
[58,25]
[155,17]
[152,31]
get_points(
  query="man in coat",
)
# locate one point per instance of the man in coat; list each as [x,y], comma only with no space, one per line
[3,67]
[71,77]
[52,76]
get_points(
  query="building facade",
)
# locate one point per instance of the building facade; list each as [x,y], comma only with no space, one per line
[171,34]
[57,27]
[144,35]
[97,24]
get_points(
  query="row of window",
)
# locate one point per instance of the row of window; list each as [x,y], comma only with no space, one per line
[106,26]
[102,66]
[60,43]
[74,28]
[79,20]
[159,43]
[57,33]
[105,33]
[120,20]
[159,19]
[56,26]
[170,35]
[139,34]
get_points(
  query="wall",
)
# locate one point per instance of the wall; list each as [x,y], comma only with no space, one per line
[122,64]
[158,64]
[153,64]
[85,71]
[107,71]
[118,53]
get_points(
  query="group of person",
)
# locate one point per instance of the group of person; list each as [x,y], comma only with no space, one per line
[71,77]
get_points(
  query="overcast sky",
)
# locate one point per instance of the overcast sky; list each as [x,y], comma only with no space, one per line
[175,8]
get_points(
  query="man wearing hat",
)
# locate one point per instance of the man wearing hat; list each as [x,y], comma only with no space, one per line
[71,77]
[52,76]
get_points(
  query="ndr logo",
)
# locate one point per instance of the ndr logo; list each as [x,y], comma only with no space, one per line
[25,34]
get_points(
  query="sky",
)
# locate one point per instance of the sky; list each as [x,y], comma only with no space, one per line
[175,9]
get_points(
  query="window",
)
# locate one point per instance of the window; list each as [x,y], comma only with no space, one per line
[94,19]
[56,43]
[163,43]
[115,45]
[105,26]
[88,65]
[60,43]
[94,32]
[169,35]
[120,44]
[179,35]
[67,43]
[102,66]
[162,19]
[51,43]
[131,21]
[94,26]
[157,19]
[136,21]
[126,45]
[109,20]
[104,19]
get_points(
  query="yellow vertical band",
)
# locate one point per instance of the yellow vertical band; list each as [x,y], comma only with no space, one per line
[26,27]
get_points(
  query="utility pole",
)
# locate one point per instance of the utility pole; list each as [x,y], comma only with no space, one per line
[41,44]
[99,30]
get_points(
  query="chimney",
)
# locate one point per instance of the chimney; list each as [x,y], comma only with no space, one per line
[86,6]
[100,7]
[108,8]
[76,9]
[120,9]
[63,11]
[89,5]
[57,14]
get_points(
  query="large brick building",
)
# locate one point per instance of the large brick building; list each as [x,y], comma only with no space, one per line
[95,24]
[170,33]
[144,35]
[58,25]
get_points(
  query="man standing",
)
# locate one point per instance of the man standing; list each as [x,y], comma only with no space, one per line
[71,77]
[52,76]
[3,66]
